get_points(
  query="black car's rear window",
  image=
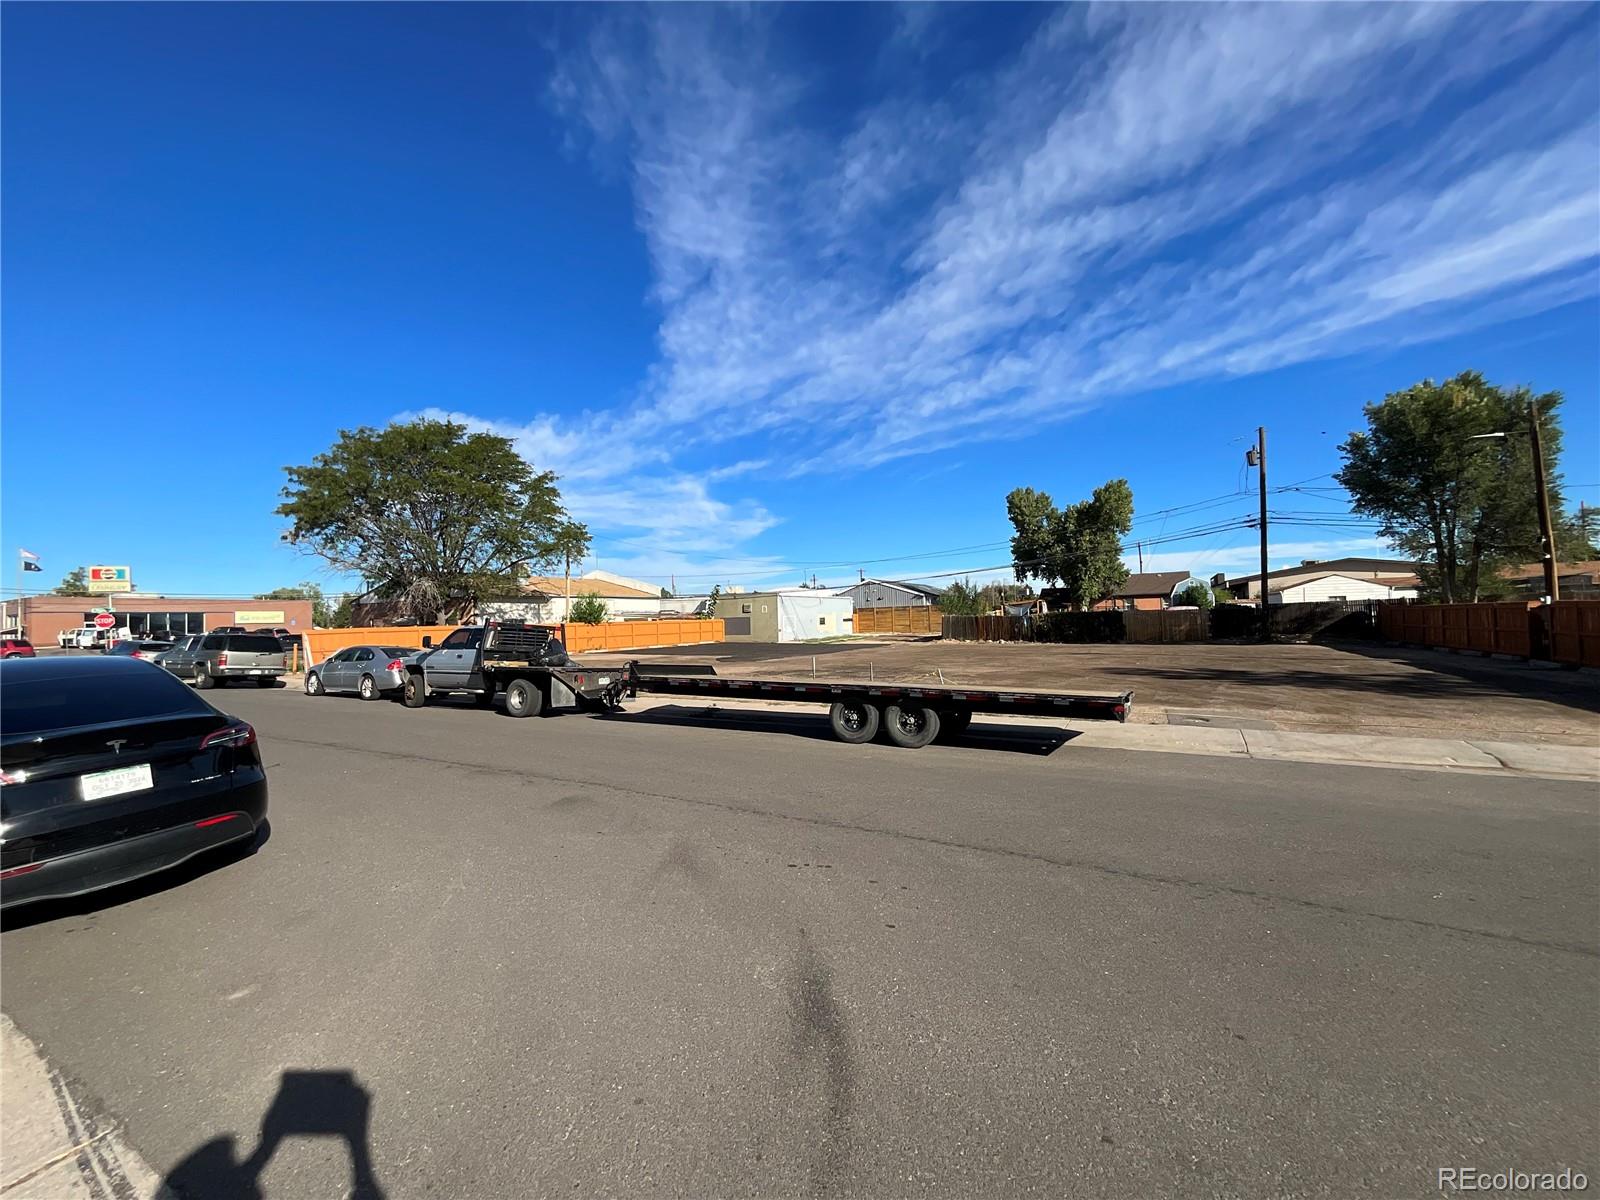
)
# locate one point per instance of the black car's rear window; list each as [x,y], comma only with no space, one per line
[254,643]
[37,705]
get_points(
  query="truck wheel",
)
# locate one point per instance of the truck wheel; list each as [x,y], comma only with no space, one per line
[855,721]
[413,693]
[203,678]
[523,698]
[953,724]
[368,688]
[314,684]
[911,726]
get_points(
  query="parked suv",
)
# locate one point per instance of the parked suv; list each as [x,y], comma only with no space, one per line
[224,656]
[15,647]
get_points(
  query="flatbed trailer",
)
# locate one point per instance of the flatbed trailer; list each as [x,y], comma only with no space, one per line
[527,666]
[907,714]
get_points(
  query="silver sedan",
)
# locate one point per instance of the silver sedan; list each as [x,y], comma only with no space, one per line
[368,671]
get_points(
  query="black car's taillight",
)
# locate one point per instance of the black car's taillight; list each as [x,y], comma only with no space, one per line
[238,735]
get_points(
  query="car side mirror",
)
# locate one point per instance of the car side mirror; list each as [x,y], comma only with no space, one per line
[427,642]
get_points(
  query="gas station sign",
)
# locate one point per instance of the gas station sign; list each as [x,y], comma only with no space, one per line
[102,580]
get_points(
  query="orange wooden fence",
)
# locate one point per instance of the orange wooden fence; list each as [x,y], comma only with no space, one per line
[639,635]
[921,618]
[1567,631]
[613,635]
[323,642]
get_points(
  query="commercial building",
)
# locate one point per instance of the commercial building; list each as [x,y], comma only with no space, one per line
[1342,587]
[43,618]
[785,615]
[1378,570]
[892,593]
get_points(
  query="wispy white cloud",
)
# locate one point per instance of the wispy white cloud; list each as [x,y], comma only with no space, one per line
[1137,196]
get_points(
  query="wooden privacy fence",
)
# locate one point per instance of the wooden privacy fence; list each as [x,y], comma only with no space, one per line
[921,618]
[979,629]
[322,642]
[639,635]
[613,635]
[1182,625]
[1567,631]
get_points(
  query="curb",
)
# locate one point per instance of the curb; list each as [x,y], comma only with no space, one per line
[55,1147]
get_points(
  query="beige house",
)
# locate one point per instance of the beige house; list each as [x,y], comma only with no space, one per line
[1375,570]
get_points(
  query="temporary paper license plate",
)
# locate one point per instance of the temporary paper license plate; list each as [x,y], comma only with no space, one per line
[116,781]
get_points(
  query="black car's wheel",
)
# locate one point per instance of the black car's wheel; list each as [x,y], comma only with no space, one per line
[523,698]
[413,693]
[854,722]
[910,726]
[368,688]
[203,679]
[952,725]
[314,685]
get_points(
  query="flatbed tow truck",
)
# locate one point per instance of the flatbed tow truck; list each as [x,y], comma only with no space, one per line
[529,666]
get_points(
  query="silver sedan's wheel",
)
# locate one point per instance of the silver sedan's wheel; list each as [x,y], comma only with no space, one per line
[314,684]
[368,688]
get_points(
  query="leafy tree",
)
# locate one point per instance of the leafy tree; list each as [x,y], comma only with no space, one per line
[1079,547]
[710,610]
[344,616]
[75,584]
[1464,507]
[1221,595]
[321,610]
[588,610]
[963,599]
[666,595]
[438,517]
[1196,595]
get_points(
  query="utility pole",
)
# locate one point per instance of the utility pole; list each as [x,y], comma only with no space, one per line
[1140,546]
[1258,458]
[1552,583]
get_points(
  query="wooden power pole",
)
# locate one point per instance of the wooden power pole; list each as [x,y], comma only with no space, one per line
[1552,581]
[1258,458]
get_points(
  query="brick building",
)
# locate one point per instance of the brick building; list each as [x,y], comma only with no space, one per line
[44,617]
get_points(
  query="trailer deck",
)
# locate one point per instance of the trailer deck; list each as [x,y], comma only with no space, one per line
[910,714]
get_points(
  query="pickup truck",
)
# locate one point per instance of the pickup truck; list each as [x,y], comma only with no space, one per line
[527,664]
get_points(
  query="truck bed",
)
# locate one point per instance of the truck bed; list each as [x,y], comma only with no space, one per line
[681,679]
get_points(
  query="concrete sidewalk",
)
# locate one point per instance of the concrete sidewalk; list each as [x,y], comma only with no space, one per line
[1442,754]
[52,1147]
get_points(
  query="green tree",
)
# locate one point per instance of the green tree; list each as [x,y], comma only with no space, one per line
[1221,595]
[710,610]
[344,616]
[440,518]
[1079,547]
[588,610]
[1196,595]
[321,610]
[963,599]
[1462,504]
[75,584]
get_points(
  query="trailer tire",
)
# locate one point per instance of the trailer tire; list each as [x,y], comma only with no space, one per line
[523,698]
[854,722]
[910,726]
[953,724]
[414,692]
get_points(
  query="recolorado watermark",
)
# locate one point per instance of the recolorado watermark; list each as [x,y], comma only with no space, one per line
[1476,1179]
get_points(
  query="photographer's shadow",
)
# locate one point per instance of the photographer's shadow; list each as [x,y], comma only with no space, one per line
[308,1103]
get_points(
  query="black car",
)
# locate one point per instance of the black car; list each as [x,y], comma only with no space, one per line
[111,769]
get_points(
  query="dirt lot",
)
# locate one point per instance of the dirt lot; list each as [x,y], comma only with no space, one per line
[1347,688]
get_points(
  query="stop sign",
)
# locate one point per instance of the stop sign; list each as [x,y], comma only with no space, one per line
[105,620]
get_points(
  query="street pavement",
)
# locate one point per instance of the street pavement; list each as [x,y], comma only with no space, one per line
[642,956]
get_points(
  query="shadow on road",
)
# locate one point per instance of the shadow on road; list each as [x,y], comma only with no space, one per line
[137,889]
[308,1104]
[981,735]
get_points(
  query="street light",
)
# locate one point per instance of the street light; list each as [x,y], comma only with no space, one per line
[1547,534]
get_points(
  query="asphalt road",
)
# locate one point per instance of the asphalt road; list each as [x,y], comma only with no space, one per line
[586,956]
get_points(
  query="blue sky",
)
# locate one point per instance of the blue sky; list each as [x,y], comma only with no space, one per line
[776,290]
